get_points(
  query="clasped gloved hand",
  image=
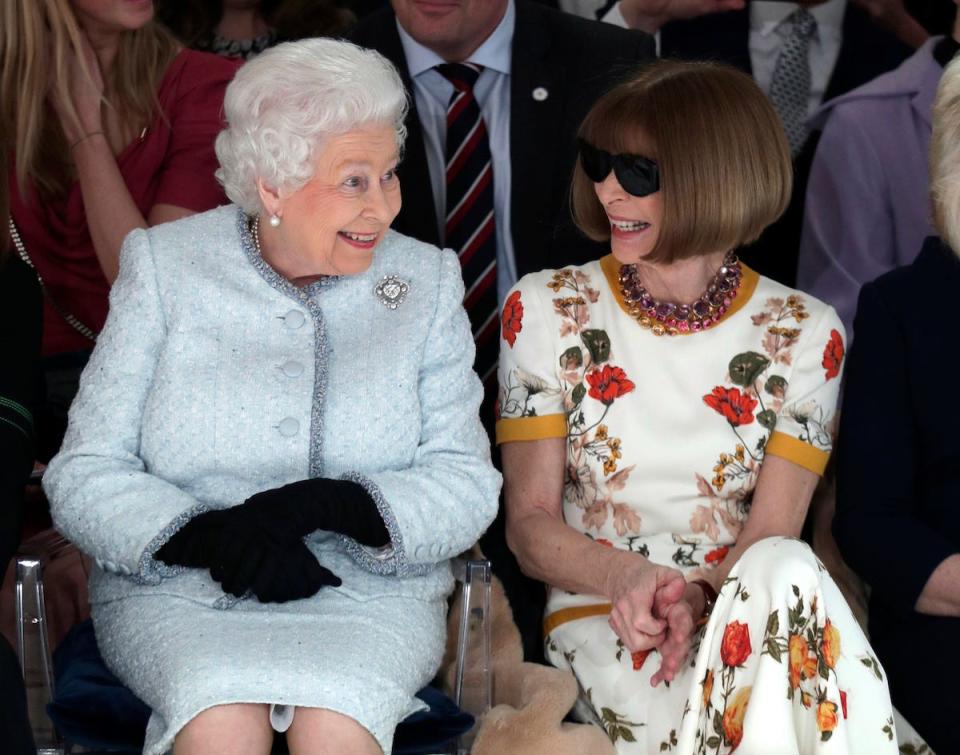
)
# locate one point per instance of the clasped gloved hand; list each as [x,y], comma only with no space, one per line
[297,509]
[275,570]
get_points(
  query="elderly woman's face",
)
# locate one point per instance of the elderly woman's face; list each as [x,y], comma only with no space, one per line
[337,219]
[634,221]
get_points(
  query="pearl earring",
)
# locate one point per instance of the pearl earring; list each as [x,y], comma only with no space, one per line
[274,220]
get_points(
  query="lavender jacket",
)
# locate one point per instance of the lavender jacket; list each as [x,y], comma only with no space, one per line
[867,207]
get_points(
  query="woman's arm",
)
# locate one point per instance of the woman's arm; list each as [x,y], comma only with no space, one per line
[101,495]
[441,504]
[553,552]
[779,508]
[110,210]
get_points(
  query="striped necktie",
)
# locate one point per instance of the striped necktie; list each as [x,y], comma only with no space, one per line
[470,225]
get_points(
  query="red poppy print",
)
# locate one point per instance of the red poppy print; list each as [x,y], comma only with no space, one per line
[843,702]
[608,383]
[737,408]
[638,658]
[511,319]
[735,646]
[717,555]
[833,355]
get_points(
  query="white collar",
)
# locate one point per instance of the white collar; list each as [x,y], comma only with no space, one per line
[496,52]
[767,15]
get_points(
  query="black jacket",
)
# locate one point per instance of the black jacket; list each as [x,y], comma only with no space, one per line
[21,318]
[576,61]
[898,455]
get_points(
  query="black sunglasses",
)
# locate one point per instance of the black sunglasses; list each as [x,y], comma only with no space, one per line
[638,175]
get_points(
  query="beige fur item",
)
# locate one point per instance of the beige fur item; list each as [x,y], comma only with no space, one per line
[530,700]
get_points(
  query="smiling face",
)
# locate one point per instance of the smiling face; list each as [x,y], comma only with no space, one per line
[334,222]
[635,222]
[112,15]
[451,28]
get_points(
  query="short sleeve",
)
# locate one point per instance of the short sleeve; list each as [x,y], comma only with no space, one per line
[196,117]
[807,423]
[530,399]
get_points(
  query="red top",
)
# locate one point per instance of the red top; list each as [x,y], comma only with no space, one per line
[171,163]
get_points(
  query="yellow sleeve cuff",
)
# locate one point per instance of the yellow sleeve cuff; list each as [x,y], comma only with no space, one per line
[800,453]
[531,428]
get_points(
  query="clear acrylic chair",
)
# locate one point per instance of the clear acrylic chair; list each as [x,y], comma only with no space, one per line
[472,678]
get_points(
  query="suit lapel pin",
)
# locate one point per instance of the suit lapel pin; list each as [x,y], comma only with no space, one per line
[540,94]
[391,291]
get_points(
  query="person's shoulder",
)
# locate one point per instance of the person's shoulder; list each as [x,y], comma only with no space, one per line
[567,32]
[193,70]
[195,236]
[890,89]
[812,311]
[369,30]
[932,278]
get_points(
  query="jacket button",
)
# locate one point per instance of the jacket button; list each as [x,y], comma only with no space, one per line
[292,368]
[294,319]
[288,427]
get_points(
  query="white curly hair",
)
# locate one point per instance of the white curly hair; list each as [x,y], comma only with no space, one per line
[945,157]
[283,104]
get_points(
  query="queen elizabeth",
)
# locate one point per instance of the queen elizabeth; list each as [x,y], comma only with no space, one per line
[275,448]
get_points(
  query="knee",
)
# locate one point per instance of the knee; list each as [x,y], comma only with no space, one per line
[317,731]
[779,563]
[214,729]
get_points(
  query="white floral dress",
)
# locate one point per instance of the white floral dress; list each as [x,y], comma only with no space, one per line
[665,440]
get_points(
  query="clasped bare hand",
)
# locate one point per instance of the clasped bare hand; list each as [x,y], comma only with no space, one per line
[654,607]
[634,592]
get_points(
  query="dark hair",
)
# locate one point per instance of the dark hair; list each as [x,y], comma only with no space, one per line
[725,167]
[194,21]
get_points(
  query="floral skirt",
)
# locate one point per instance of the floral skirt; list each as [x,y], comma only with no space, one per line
[781,667]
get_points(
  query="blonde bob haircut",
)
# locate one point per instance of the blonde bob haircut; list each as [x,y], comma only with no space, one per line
[945,157]
[724,161]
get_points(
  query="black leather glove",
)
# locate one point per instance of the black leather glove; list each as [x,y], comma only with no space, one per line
[243,560]
[297,509]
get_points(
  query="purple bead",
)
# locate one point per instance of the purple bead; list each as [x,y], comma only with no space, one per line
[701,308]
[683,312]
[665,309]
[647,302]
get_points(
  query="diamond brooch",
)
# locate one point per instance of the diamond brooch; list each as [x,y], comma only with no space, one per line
[391,291]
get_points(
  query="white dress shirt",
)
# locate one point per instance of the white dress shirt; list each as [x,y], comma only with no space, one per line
[766,18]
[432,93]
[766,40]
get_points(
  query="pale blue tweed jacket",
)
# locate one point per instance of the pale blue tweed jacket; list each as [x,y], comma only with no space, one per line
[214,378]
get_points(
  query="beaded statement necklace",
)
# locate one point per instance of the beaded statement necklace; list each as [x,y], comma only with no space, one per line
[667,318]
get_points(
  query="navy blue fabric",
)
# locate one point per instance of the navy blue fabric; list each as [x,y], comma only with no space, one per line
[93,709]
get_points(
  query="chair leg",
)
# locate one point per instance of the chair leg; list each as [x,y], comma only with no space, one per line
[472,687]
[33,651]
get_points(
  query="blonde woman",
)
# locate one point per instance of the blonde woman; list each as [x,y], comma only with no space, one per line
[898,471]
[111,127]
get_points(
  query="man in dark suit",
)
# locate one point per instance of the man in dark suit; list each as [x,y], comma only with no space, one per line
[559,65]
[506,83]
[846,49]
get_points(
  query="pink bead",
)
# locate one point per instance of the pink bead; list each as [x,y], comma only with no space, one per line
[684,326]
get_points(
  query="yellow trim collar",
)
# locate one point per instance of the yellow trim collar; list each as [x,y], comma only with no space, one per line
[748,284]
[800,453]
[531,428]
